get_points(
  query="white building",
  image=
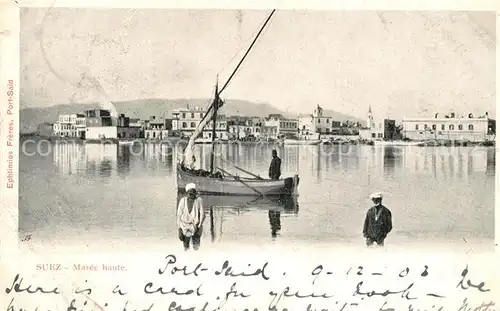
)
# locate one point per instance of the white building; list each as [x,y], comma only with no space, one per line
[81,125]
[323,124]
[314,124]
[221,132]
[283,125]
[306,124]
[288,126]
[100,124]
[101,132]
[156,128]
[377,129]
[245,127]
[470,128]
[185,121]
[269,132]
[70,125]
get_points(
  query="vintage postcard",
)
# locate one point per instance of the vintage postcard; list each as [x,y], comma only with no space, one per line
[248,156]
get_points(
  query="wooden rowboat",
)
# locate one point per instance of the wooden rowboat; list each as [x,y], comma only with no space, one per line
[302,141]
[220,182]
[398,143]
[229,185]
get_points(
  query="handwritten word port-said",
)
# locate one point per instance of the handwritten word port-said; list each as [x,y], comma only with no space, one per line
[226,269]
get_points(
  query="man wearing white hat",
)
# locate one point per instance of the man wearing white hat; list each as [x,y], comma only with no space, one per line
[190,217]
[378,221]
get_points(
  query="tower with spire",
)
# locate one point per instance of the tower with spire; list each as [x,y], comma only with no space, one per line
[369,121]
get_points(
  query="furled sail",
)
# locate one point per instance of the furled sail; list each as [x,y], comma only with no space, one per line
[188,159]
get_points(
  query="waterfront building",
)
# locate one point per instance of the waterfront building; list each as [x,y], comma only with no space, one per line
[288,127]
[306,124]
[365,134]
[323,124]
[258,123]
[270,128]
[136,122]
[244,127]
[221,132]
[315,124]
[185,121]
[269,132]
[95,124]
[124,129]
[157,128]
[273,121]
[81,125]
[70,125]
[100,124]
[384,129]
[450,128]
[284,126]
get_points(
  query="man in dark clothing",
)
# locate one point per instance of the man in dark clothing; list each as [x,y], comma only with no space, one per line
[378,222]
[275,167]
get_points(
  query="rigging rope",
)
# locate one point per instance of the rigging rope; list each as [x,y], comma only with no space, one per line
[188,154]
[242,59]
[248,51]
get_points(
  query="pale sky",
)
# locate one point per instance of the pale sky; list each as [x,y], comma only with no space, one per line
[402,63]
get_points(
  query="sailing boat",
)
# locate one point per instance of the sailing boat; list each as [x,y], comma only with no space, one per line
[221,182]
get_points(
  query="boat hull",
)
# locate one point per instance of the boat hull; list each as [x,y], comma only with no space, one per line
[241,187]
[398,143]
[302,141]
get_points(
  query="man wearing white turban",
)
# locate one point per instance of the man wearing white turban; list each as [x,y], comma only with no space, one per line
[378,221]
[190,218]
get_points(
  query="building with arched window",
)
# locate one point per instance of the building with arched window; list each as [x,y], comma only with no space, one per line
[185,121]
[474,129]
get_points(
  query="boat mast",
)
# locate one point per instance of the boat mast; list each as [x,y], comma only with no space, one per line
[215,106]
[217,103]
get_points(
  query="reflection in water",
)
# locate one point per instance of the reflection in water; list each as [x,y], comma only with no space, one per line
[389,160]
[212,224]
[275,221]
[490,161]
[440,163]
[105,159]
[90,159]
[220,208]
[124,154]
[428,182]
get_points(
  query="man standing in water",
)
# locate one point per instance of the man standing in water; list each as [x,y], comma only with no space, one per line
[378,222]
[275,167]
[190,217]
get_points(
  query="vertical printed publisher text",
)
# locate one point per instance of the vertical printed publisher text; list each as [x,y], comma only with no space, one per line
[10,133]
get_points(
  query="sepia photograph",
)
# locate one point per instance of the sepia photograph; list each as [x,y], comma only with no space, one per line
[207,128]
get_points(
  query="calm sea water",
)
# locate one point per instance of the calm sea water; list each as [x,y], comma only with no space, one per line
[120,192]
